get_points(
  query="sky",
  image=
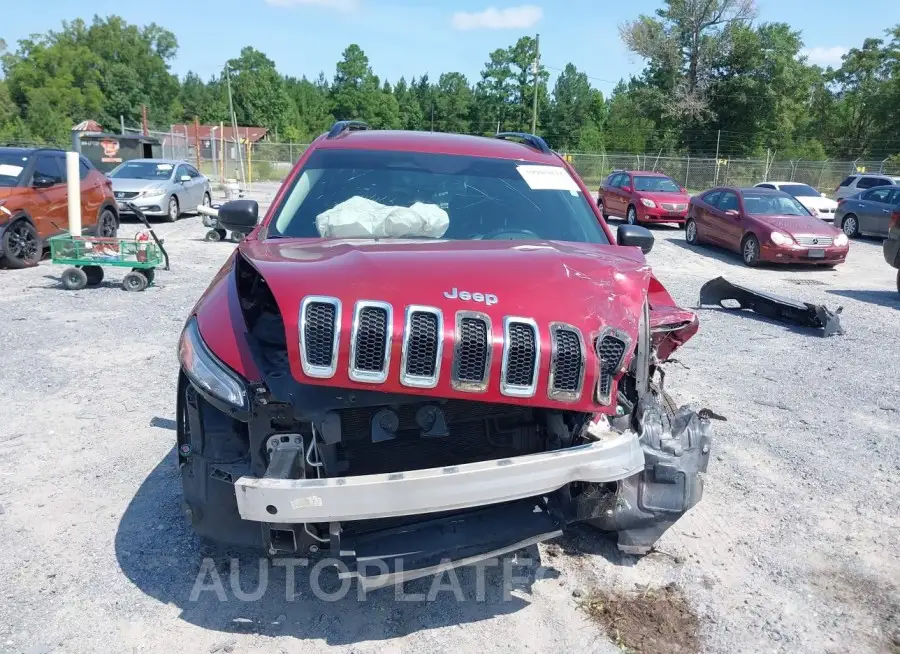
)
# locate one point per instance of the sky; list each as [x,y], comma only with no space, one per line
[410,38]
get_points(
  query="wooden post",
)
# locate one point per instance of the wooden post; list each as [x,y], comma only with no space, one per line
[249,163]
[197,139]
[144,127]
[222,151]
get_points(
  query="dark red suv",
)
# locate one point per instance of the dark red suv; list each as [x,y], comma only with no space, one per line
[432,349]
[643,197]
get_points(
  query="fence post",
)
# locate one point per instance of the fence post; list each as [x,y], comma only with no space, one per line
[881,167]
[687,172]
[821,173]
[291,153]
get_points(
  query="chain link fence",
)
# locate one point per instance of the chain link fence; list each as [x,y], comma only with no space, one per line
[700,173]
[271,162]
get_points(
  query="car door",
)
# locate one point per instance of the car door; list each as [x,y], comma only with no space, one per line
[702,214]
[727,222]
[182,189]
[873,209]
[91,193]
[611,195]
[198,186]
[50,207]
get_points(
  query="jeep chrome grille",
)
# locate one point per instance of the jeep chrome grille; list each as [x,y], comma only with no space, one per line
[423,341]
[370,342]
[472,352]
[320,328]
[611,349]
[521,356]
[567,362]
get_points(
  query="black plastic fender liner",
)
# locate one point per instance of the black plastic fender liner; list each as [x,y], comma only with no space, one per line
[803,314]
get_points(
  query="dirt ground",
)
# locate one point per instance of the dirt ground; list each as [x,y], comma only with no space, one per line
[793,548]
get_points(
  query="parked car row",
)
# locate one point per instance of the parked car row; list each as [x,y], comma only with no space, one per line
[34,197]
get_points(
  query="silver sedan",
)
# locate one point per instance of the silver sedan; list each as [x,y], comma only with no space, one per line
[160,187]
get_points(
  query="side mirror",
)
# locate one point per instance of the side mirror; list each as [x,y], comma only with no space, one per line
[635,235]
[239,216]
[185,178]
[42,182]
[683,190]
[627,189]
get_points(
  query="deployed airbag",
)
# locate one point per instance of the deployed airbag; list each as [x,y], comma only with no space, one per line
[360,217]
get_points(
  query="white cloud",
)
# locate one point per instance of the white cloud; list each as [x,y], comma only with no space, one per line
[492,18]
[825,56]
[339,5]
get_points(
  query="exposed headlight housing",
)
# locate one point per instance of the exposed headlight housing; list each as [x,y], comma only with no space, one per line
[841,240]
[781,239]
[648,203]
[206,371]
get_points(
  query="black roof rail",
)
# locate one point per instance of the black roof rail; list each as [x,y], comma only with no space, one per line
[342,126]
[531,139]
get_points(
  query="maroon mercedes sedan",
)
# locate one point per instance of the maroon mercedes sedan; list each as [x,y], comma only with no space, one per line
[763,225]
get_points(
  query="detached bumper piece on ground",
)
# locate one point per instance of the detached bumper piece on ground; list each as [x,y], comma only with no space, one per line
[804,314]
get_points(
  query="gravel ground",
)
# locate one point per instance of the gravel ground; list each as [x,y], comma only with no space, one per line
[794,547]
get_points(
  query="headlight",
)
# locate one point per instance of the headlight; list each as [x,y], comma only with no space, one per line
[841,240]
[206,371]
[648,203]
[150,192]
[781,239]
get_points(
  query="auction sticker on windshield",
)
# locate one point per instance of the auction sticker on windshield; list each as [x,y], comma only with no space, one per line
[547,178]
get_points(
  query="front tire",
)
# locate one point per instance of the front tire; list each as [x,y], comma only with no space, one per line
[94,275]
[631,216]
[690,232]
[602,211]
[74,279]
[22,247]
[134,282]
[750,250]
[850,225]
[173,210]
[207,201]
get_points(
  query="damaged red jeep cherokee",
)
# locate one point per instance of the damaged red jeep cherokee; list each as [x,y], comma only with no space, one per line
[431,351]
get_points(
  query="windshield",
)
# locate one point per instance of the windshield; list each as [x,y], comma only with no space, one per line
[11,167]
[381,194]
[773,205]
[655,184]
[800,190]
[143,170]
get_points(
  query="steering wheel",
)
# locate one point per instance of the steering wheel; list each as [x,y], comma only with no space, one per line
[507,234]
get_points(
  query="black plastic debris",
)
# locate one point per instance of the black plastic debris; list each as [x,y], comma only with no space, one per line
[804,314]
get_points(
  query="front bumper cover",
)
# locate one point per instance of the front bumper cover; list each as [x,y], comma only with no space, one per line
[435,490]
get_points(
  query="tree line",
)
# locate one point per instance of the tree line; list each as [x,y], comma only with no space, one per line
[715,80]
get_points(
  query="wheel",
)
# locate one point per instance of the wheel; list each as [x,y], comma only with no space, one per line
[74,279]
[602,211]
[750,250]
[690,232]
[631,216]
[22,246]
[207,201]
[850,225]
[134,281]
[149,273]
[237,237]
[898,281]
[107,225]
[94,274]
[213,235]
[173,210]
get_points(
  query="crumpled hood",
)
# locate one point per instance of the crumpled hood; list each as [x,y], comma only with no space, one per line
[587,286]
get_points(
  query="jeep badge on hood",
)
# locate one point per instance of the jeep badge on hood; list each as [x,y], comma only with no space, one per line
[454,294]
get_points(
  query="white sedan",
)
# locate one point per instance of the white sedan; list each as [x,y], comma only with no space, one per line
[818,205]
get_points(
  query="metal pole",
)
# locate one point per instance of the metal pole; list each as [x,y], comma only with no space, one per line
[122,123]
[73,182]
[222,151]
[196,140]
[537,69]
[687,173]
[212,147]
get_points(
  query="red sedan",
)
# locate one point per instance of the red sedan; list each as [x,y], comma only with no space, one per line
[763,225]
[643,197]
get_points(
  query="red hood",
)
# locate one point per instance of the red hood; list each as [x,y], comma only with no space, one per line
[668,198]
[587,286]
[794,225]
